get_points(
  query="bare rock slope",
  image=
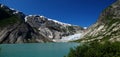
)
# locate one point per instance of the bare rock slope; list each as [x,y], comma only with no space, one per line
[16,27]
[107,28]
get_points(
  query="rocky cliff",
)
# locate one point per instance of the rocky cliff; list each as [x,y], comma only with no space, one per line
[52,29]
[16,27]
[107,28]
[13,28]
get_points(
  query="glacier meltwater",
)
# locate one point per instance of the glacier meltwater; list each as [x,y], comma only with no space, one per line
[36,49]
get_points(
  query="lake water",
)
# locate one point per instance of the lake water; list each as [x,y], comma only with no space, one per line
[36,49]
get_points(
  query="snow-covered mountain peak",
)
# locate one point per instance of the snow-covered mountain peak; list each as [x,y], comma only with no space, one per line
[12,8]
[61,23]
[34,28]
[15,11]
[43,17]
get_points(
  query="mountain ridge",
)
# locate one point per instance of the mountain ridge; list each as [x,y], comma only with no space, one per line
[16,27]
[107,27]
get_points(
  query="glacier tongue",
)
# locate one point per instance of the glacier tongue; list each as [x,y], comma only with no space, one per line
[69,38]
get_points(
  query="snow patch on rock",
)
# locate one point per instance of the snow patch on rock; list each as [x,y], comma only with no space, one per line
[2,5]
[85,27]
[26,18]
[61,23]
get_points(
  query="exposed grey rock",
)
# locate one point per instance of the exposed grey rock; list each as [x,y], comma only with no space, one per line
[107,28]
[13,28]
[20,33]
[51,28]
[16,27]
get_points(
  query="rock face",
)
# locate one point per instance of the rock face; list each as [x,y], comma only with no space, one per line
[51,28]
[107,28]
[13,28]
[16,27]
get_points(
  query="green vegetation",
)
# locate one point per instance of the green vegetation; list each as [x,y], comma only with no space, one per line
[95,49]
[8,21]
[70,28]
[112,21]
[6,18]
[4,13]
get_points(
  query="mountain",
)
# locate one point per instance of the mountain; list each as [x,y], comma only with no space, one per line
[107,27]
[52,29]
[16,27]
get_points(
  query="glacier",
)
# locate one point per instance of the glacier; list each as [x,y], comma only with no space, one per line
[69,38]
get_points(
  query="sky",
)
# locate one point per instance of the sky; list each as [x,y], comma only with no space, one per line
[78,12]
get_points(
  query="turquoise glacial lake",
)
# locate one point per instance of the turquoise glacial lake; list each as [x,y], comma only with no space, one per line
[36,49]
